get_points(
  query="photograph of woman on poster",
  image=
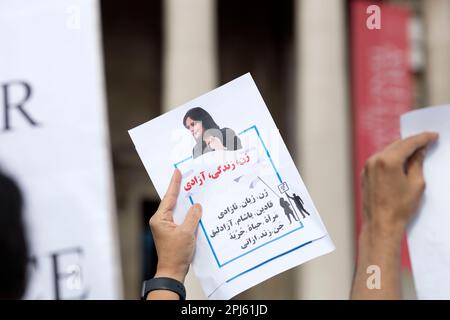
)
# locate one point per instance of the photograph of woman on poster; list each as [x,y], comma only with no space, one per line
[207,134]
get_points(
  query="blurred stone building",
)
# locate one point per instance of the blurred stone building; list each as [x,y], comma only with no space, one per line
[162,53]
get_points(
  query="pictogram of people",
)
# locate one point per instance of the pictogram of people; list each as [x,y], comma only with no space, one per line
[287,210]
[299,204]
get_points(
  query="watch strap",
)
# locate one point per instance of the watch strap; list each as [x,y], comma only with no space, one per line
[163,283]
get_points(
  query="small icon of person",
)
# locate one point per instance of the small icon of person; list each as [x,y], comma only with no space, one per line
[207,134]
[299,203]
[287,210]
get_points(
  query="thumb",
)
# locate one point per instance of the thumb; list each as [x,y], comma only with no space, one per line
[415,165]
[192,218]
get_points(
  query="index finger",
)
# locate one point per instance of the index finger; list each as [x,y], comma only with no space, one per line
[405,148]
[170,198]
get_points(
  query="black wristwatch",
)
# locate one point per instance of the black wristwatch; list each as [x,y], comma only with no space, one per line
[163,284]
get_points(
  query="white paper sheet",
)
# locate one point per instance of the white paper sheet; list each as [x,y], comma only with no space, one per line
[56,145]
[428,236]
[250,229]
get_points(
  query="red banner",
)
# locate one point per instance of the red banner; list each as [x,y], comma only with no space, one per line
[381,83]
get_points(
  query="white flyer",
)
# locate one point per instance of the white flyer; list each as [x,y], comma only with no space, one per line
[428,240]
[258,217]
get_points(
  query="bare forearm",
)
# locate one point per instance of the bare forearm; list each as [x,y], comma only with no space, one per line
[378,272]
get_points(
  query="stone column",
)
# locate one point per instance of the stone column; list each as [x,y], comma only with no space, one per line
[324,141]
[437,42]
[190,57]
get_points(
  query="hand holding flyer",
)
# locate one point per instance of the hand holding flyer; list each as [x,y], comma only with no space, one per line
[258,218]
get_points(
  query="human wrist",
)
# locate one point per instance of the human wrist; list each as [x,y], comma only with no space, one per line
[385,224]
[169,272]
[378,233]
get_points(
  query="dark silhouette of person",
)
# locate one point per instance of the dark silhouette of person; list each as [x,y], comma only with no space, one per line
[299,203]
[207,134]
[287,210]
[13,242]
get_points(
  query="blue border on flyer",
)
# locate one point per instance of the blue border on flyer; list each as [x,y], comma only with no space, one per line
[220,265]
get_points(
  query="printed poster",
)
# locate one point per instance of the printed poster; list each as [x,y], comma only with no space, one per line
[258,217]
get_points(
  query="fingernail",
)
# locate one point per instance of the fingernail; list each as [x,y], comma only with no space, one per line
[435,136]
